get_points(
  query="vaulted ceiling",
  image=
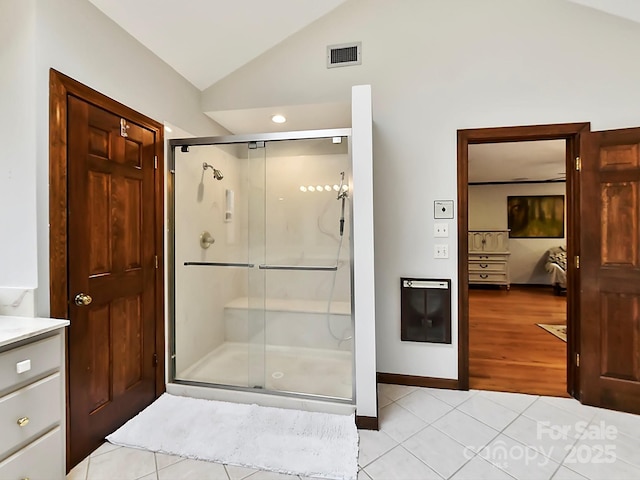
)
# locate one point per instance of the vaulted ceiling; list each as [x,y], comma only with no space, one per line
[206,40]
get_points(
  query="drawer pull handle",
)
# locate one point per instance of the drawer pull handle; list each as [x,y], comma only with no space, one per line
[484,275]
[23,421]
[484,266]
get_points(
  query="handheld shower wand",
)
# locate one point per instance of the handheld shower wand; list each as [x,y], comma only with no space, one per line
[342,195]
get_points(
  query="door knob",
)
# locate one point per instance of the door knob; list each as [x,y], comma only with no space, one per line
[82,299]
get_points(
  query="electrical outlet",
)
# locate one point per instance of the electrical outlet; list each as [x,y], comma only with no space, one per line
[440,229]
[441,250]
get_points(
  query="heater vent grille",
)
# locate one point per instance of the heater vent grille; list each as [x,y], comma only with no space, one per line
[344,55]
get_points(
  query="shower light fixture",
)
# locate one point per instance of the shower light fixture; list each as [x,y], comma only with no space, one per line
[278,119]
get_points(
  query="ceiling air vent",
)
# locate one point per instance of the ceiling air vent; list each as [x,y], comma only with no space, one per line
[344,55]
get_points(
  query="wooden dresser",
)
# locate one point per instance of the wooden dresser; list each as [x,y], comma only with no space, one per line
[32,398]
[489,257]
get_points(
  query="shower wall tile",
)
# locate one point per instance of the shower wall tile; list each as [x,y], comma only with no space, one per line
[17,301]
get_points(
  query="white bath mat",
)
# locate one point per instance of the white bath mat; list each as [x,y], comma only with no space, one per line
[309,444]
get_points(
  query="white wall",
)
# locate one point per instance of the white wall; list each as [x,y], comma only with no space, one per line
[437,66]
[17,124]
[75,38]
[488,209]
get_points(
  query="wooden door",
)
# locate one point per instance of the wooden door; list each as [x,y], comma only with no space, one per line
[111,259]
[610,270]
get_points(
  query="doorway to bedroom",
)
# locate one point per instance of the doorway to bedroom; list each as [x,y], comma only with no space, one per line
[517,310]
[517,225]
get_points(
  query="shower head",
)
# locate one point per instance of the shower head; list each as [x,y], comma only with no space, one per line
[217,174]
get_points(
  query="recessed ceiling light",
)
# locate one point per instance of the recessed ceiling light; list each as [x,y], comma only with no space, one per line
[278,119]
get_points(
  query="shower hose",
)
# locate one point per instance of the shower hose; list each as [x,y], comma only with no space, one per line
[333,286]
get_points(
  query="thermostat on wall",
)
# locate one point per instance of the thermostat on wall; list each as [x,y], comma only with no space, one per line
[443,209]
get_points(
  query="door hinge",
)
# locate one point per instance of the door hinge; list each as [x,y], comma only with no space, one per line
[578,164]
[155,359]
[123,128]
[577,359]
[155,162]
[156,261]
[578,262]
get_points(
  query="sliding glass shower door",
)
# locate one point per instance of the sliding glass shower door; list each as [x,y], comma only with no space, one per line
[262,269]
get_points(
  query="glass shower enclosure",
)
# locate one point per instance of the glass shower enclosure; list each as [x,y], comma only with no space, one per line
[261,273]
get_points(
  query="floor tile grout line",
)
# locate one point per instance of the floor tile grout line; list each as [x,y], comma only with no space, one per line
[421,461]
[482,459]
[427,422]
[497,433]
[509,408]
[155,461]
[441,431]
[485,423]
[577,440]
[402,445]
[572,412]
[504,406]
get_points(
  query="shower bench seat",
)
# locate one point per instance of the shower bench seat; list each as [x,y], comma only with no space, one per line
[292,305]
[291,322]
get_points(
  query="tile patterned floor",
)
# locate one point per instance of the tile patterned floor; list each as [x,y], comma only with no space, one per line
[441,434]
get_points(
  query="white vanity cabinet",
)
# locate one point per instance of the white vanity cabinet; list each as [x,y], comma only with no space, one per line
[32,398]
[489,257]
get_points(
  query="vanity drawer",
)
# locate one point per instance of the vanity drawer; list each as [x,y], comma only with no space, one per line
[41,460]
[39,357]
[39,402]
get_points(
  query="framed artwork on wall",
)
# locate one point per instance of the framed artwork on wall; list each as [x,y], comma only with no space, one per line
[536,216]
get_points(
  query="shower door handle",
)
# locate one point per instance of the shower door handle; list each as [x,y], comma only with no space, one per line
[315,268]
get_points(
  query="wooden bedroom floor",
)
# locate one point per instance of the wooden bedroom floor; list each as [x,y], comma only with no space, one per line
[508,352]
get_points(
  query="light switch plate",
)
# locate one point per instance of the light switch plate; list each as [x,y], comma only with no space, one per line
[440,229]
[441,250]
[443,209]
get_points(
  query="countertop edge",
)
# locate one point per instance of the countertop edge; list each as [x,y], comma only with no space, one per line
[15,329]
